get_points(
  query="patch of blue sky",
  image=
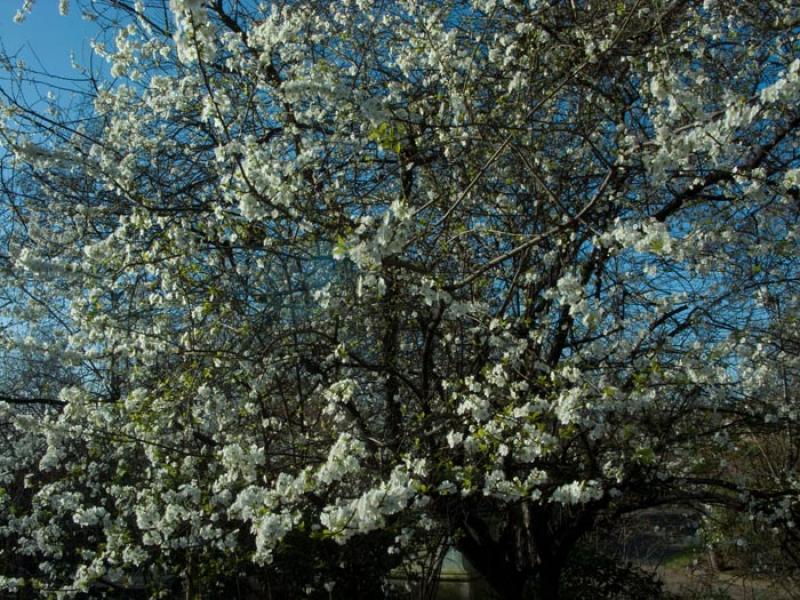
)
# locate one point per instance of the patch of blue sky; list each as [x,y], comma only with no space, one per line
[46,41]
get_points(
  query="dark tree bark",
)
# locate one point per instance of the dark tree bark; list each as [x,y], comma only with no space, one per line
[526,557]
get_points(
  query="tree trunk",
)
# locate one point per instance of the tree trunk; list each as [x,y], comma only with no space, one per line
[190,592]
[527,559]
[491,560]
[550,580]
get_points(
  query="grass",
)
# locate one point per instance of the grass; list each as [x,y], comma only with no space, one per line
[683,559]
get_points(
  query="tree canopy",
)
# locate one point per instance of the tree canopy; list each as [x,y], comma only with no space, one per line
[300,289]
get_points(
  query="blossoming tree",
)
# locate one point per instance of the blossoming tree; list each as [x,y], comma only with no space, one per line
[324,282]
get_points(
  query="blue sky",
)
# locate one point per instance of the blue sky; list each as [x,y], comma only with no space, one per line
[45,36]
